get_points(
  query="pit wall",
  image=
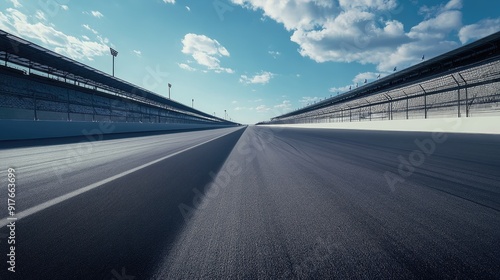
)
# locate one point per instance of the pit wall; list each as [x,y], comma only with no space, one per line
[23,129]
[481,125]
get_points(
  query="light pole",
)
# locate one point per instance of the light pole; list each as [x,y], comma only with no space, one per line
[169,86]
[192,103]
[225,114]
[114,53]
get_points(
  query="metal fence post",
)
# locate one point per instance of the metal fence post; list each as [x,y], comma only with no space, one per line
[93,108]
[390,106]
[390,110]
[458,95]
[34,104]
[406,103]
[466,96]
[425,101]
[69,118]
[370,108]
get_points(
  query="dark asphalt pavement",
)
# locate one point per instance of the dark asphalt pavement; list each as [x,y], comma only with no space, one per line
[275,203]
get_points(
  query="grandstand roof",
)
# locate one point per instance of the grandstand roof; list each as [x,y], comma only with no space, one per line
[33,56]
[477,51]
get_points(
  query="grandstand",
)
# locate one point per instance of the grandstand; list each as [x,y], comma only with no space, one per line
[462,83]
[41,85]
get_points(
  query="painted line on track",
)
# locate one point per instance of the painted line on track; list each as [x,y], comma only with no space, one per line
[54,201]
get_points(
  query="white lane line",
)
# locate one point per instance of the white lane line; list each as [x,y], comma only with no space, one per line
[52,202]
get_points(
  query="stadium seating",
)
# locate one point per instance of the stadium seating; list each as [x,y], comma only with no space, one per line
[470,90]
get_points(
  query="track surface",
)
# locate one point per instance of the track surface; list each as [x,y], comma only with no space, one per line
[276,203]
[49,171]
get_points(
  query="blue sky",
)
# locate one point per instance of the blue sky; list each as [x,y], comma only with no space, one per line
[254,58]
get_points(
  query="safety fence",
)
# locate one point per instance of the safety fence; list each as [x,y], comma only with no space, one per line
[464,92]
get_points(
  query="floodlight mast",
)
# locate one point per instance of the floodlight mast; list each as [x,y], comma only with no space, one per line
[169,86]
[114,53]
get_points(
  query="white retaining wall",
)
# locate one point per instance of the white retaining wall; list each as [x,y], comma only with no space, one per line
[23,129]
[484,125]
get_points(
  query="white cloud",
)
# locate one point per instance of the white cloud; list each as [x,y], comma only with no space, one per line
[262,108]
[262,78]
[285,105]
[432,11]
[359,79]
[479,30]
[274,54]
[40,15]
[16,3]
[205,51]
[97,14]
[85,37]
[65,7]
[169,1]
[101,39]
[293,14]
[364,31]
[437,27]
[368,76]
[186,67]
[137,52]
[454,4]
[325,32]
[187,8]
[14,21]
[306,100]
[368,4]
[86,26]
[340,89]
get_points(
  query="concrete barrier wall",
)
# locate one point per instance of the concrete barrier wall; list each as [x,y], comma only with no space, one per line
[486,125]
[23,129]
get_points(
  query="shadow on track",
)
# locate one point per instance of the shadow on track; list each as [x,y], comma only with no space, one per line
[11,144]
[121,228]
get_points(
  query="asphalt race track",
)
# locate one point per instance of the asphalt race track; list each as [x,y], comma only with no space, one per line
[256,203]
